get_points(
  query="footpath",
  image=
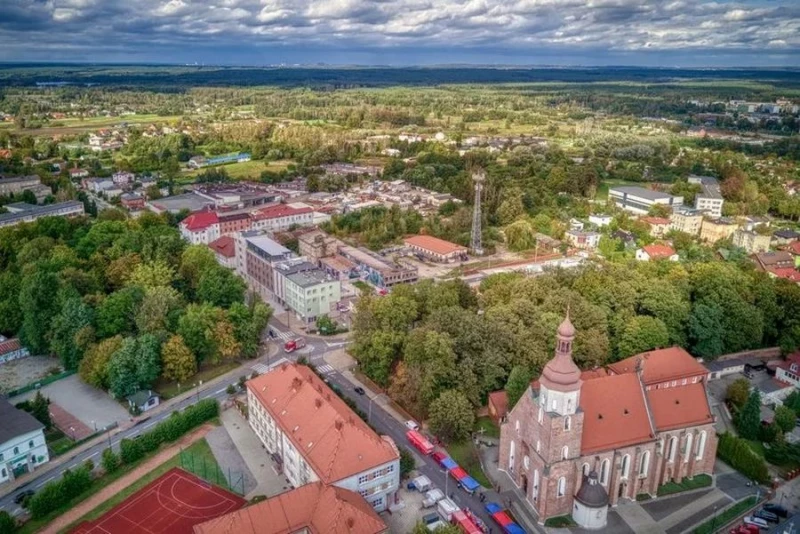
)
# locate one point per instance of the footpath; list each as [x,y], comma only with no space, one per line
[228,378]
[117,486]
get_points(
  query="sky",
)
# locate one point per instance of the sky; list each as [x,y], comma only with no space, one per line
[664,33]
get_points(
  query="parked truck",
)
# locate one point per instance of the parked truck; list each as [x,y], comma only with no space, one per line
[446,509]
[432,497]
[419,442]
[294,344]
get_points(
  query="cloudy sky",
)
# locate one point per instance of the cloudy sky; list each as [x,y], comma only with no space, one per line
[405,32]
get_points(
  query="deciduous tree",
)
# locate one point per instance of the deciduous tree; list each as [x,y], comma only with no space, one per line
[178,362]
[785,418]
[451,416]
[738,392]
[74,316]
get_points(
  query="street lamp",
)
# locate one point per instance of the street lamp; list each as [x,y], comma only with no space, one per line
[199,383]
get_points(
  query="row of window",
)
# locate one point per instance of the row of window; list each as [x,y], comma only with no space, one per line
[31,444]
[378,473]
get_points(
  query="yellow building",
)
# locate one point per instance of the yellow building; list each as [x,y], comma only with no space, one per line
[712,230]
[686,220]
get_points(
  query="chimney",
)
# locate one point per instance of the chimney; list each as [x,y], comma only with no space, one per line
[296,383]
[339,425]
[318,403]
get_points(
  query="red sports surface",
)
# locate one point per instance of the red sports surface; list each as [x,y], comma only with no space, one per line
[173,503]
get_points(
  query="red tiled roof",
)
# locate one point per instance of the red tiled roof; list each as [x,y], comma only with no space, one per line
[200,220]
[594,373]
[224,246]
[793,248]
[499,399]
[278,211]
[615,413]
[318,508]
[9,345]
[656,220]
[661,365]
[325,431]
[659,251]
[786,273]
[434,244]
[785,365]
[679,407]
[233,217]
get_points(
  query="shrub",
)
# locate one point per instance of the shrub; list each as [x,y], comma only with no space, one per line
[737,452]
[230,390]
[8,525]
[110,461]
[58,493]
[130,451]
[407,463]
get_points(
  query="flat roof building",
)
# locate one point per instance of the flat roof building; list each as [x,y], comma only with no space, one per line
[435,249]
[709,199]
[378,270]
[639,200]
[70,208]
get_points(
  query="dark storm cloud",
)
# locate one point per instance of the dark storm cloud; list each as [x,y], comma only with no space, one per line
[403,31]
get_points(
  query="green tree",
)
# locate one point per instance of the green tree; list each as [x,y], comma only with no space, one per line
[451,416]
[178,362]
[8,525]
[706,330]
[10,311]
[220,287]
[407,463]
[110,461]
[738,392]
[152,313]
[122,379]
[248,324]
[74,316]
[520,235]
[748,421]
[40,409]
[642,333]
[148,360]
[196,327]
[446,528]
[94,365]
[196,260]
[116,312]
[785,418]
[153,274]
[39,307]
[666,302]
[518,381]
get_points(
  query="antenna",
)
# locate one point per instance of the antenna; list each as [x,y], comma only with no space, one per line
[478,178]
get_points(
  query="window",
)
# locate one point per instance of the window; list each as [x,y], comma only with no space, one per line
[16,450]
[538,446]
[626,465]
[688,450]
[585,470]
[3,472]
[685,380]
[553,405]
[30,444]
[674,383]
[511,456]
[567,423]
[661,446]
[673,444]
[526,462]
[701,445]
[541,411]
[565,452]
[644,464]
[535,491]
[604,473]
[516,426]
[562,486]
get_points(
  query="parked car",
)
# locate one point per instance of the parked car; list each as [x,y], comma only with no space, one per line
[430,518]
[776,509]
[411,424]
[23,495]
[359,390]
[767,516]
[756,521]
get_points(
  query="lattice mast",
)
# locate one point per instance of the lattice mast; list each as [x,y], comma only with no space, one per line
[478,178]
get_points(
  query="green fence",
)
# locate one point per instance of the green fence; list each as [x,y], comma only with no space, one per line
[39,383]
[208,470]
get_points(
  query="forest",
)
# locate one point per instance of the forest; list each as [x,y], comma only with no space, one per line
[126,302]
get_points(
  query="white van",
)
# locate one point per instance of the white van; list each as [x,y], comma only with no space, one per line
[757,521]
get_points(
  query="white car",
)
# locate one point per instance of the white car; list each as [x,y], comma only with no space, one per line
[757,521]
[412,424]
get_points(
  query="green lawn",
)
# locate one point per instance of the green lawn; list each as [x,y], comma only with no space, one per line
[202,455]
[489,428]
[247,170]
[700,481]
[167,390]
[714,524]
[466,456]
[562,521]
[757,447]
[57,442]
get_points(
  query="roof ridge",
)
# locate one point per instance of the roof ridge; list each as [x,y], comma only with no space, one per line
[647,407]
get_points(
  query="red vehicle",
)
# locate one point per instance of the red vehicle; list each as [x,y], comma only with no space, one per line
[464,523]
[294,344]
[419,442]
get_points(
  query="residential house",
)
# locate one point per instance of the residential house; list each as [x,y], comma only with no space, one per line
[787,273]
[639,200]
[656,252]
[752,242]
[686,220]
[767,261]
[659,226]
[224,249]
[784,236]
[132,201]
[78,173]
[22,444]
[713,230]
[583,240]
[201,227]
[789,370]
[600,220]
[123,178]
[627,238]
[317,438]
[436,249]
[143,400]
[794,249]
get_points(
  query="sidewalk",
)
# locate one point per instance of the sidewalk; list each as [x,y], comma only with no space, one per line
[229,377]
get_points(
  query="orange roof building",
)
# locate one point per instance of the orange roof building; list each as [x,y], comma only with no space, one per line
[314,508]
[318,437]
[434,248]
[633,426]
[656,252]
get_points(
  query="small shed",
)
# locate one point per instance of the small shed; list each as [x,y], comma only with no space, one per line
[498,406]
[144,400]
[719,368]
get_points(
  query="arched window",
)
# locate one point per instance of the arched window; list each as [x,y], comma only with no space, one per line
[511,456]
[565,452]
[538,445]
[569,404]
[553,405]
[541,412]
[661,446]
[644,464]
[535,491]
[526,462]
[585,470]
[562,486]
[516,426]
[701,445]
[673,445]
[604,473]
[626,465]
[688,453]
[30,444]
[567,423]
[16,450]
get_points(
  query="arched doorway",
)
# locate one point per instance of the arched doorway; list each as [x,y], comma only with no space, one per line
[524,484]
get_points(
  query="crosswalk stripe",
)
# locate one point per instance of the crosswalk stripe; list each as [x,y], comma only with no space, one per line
[325,369]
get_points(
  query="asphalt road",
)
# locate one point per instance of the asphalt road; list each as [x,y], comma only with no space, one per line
[313,352]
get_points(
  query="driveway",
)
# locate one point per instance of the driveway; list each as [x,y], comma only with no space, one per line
[92,406]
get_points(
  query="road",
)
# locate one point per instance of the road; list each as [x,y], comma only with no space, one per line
[314,352]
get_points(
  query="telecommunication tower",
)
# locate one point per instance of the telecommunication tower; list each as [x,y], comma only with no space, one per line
[478,178]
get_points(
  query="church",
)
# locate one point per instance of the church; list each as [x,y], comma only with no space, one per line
[577,442]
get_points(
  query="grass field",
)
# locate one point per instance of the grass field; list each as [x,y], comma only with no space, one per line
[489,428]
[466,456]
[199,449]
[247,170]
[167,390]
[700,481]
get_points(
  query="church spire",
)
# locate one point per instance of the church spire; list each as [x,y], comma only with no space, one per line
[561,373]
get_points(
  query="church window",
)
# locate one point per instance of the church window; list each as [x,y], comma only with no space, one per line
[553,405]
[526,462]
[604,473]
[538,446]
[516,426]
[562,486]
[626,465]
[567,423]
[688,452]
[535,492]
[541,411]
[565,452]
[644,464]
[701,445]
[673,444]
[511,456]
[585,470]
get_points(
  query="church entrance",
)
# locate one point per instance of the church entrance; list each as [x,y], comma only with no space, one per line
[621,492]
[524,484]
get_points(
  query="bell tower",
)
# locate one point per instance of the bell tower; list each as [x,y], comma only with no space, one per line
[561,378]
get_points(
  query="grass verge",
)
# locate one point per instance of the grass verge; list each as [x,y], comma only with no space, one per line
[643,497]
[466,456]
[700,481]
[490,429]
[199,449]
[561,521]
[729,514]
[167,390]
[58,442]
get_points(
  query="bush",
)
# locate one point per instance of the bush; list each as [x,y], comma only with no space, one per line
[230,390]
[8,525]
[737,452]
[110,461]
[130,451]
[407,463]
[58,493]
[89,465]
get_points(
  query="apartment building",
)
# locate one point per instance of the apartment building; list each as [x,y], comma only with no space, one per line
[318,438]
[713,230]
[256,257]
[17,184]
[686,220]
[201,227]
[709,199]
[659,226]
[311,294]
[21,212]
[752,242]
[22,443]
[281,217]
[639,200]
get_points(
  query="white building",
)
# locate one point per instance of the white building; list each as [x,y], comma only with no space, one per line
[709,200]
[281,217]
[22,444]
[201,227]
[583,240]
[317,437]
[639,200]
[600,220]
[311,294]
[122,177]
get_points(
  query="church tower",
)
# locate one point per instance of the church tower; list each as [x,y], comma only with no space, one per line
[561,379]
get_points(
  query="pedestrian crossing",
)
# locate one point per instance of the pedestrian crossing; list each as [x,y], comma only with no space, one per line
[261,368]
[325,369]
[284,336]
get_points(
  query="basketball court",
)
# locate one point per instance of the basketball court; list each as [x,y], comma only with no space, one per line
[173,503]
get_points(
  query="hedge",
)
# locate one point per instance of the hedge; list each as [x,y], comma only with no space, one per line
[737,453]
[59,492]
